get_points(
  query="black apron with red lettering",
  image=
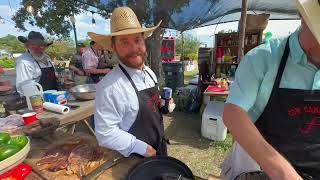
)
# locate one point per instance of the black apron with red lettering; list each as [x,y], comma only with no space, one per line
[148,126]
[48,78]
[291,124]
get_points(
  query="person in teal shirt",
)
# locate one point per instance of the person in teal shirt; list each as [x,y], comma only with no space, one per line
[272,110]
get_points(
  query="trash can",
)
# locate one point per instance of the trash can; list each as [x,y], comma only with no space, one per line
[173,74]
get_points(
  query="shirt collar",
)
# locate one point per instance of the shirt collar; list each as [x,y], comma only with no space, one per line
[296,52]
[133,70]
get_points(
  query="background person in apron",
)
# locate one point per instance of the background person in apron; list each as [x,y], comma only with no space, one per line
[128,117]
[273,109]
[107,60]
[35,65]
[90,61]
[75,66]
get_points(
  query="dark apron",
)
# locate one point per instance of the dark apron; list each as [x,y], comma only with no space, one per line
[148,126]
[290,123]
[95,77]
[48,78]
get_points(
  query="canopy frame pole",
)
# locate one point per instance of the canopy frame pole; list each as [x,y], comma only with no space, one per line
[242,32]
[182,48]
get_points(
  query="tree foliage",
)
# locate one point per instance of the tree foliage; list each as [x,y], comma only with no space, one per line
[86,42]
[52,15]
[7,62]
[11,44]
[61,48]
[190,46]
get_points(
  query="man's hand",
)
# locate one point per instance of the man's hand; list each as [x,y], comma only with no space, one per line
[171,105]
[80,72]
[271,161]
[106,71]
[150,151]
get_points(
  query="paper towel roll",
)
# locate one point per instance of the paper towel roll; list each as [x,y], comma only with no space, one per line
[56,108]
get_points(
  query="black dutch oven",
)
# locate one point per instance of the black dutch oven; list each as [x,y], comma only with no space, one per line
[160,168]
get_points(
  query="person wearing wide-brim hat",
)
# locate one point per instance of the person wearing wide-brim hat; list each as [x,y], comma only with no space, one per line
[128,115]
[272,109]
[35,65]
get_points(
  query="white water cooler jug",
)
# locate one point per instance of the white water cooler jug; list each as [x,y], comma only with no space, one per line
[212,126]
[31,89]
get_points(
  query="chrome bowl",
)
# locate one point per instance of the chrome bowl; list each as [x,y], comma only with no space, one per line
[84,92]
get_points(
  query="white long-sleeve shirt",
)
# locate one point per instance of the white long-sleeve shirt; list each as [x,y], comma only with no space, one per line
[28,70]
[117,107]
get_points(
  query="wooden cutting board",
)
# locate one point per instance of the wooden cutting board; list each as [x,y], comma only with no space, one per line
[39,147]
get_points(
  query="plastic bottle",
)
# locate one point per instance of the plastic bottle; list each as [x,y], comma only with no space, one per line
[31,89]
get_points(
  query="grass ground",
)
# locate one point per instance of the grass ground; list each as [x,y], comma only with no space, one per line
[203,156]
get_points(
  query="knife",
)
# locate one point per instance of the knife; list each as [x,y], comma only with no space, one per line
[99,170]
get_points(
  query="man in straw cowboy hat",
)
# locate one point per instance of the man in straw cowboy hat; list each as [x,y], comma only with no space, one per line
[273,108]
[127,117]
[35,65]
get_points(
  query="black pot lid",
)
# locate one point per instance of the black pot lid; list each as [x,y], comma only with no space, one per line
[160,168]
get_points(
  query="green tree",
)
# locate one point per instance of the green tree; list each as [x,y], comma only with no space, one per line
[52,15]
[61,48]
[86,42]
[11,44]
[190,46]
[7,62]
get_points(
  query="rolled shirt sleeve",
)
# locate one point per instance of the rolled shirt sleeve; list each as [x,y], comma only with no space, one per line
[24,73]
[110,109]
[248,79]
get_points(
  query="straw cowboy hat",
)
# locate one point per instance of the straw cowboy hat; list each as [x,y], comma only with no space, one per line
[35,38]
[310,11]
[123,22]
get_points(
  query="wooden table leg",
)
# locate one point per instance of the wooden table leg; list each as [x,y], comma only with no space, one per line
[88,125]
[71,130]
[206,99]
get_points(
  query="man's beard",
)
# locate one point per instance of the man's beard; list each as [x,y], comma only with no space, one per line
[37,56]
[125,59]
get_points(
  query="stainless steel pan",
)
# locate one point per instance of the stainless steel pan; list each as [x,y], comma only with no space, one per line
[84,92]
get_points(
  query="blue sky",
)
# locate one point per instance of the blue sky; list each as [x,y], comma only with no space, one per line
[83,25]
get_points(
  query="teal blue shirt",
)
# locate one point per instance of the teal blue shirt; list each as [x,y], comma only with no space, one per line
[257,71]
